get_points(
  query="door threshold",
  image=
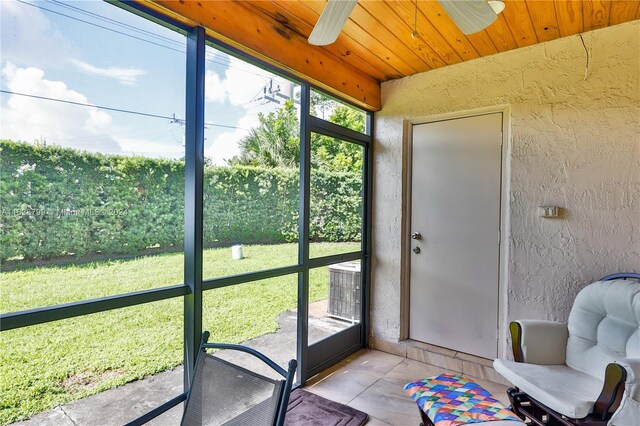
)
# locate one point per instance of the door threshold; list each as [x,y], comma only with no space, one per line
[448,359]
[451,353]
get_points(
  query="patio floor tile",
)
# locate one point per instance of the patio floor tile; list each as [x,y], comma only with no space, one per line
[376,422]
[410,371]
[341,384]
[388,402]
[372,361]
[373,382]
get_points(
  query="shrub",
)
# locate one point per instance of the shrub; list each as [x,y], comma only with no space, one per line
[59,201]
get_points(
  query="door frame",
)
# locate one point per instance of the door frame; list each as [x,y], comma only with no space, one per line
[505,183]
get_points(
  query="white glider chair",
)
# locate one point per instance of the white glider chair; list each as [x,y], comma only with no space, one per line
[587,372]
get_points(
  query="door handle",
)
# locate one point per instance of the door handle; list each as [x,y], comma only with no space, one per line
[416,236]
[416,250]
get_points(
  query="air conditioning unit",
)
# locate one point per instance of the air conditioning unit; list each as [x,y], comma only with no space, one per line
[345,282]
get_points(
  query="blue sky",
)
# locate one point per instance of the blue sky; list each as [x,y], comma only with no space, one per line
[46,50]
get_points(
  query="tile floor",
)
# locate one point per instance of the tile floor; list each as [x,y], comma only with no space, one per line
[372,381]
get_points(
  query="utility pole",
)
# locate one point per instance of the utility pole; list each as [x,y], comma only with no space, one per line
[274,92]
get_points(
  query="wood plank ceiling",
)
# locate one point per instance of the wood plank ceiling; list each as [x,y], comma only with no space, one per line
[376,43]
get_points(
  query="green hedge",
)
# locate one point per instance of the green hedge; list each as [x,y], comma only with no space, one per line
[59,201]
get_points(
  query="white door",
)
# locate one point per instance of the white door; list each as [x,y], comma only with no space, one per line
[455,209]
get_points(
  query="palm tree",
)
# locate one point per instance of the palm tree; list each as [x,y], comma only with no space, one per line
[275,142]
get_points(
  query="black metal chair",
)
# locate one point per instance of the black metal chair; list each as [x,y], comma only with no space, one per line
[223,393]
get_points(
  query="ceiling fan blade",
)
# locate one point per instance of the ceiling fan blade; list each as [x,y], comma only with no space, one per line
[470,16]
[331,21]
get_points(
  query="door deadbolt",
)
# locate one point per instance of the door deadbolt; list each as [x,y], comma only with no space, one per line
[416,236]
[416,250]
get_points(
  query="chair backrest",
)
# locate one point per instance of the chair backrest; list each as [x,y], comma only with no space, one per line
[225,393]
[604,326]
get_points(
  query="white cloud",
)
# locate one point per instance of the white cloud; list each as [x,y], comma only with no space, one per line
[225,145]
[128,76]
[239,86]
[214,90]
[26,118]
[34,48]
[98,121]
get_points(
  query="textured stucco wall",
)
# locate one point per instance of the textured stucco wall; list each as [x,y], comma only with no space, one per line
[573,143]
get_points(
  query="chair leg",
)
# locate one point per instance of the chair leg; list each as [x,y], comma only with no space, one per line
[527,409]
[515,401]
[539,414]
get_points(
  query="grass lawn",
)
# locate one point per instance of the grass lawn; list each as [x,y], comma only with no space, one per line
[51,364]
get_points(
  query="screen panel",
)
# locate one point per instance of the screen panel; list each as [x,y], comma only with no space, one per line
[92,164]
[262,315]
[45,365]
[336,198]
[335,299]
[252,167]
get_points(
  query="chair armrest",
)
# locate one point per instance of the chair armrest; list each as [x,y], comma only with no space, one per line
[539,342]
[632,366]
[626,407]
[615,387]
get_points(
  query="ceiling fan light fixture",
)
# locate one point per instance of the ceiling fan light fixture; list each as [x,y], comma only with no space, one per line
[497,6]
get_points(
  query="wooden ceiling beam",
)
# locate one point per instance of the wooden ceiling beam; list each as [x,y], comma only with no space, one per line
[263,37]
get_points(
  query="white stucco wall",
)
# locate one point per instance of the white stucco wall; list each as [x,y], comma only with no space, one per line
[573,143]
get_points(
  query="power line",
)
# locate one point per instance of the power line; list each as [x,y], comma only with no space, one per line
[138,133]
[99,26]
[142,31]
[115,22]
[235,107]
[137,38]
[145,114]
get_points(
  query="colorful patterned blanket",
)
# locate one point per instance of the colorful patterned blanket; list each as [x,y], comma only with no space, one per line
[450,400]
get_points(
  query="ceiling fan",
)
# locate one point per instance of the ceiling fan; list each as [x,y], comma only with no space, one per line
[470,16]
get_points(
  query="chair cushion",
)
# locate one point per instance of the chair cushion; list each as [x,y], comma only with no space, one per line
[561,388]
[604,326]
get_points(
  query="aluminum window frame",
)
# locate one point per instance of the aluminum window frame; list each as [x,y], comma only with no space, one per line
[194,285]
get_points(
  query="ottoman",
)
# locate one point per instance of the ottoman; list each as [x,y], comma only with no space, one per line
[451,400]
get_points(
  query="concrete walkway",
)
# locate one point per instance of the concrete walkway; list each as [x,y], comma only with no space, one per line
[123,404]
